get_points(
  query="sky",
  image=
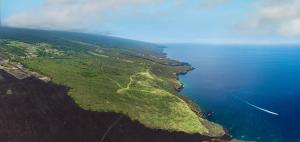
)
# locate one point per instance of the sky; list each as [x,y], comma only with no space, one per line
[164,21]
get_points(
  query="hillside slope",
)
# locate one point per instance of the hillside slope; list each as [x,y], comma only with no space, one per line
[105,74]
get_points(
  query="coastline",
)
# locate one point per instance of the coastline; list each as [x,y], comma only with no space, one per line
[76,125]
[162,109]
[194,106]
[179,89]
[110,117]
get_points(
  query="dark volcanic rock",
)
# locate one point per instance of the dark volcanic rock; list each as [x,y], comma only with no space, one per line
[35,111]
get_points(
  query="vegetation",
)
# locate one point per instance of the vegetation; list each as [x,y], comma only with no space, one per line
[127,77]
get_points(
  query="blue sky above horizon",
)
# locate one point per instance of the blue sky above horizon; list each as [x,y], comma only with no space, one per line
[164,21]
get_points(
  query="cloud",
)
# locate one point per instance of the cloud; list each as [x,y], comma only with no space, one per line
[70,14]
[291,28]
[213,3]
[276,17]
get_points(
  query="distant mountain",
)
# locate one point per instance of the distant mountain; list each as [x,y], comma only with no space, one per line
[61,37]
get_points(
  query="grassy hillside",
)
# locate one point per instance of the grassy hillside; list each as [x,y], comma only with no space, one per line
[107,74]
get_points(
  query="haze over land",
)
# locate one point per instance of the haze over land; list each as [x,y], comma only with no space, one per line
[165,21]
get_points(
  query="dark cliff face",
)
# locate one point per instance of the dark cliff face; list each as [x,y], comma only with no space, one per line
[34,111]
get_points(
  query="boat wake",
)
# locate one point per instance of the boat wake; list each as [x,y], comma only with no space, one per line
[259,108]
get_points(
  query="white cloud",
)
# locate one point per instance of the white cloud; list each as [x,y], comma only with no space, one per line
[291,28]
[70,14]
[276,17]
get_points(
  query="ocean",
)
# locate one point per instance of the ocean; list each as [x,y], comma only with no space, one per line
[254,90]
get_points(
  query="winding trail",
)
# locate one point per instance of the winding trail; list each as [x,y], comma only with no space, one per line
[119,91]
[131,80]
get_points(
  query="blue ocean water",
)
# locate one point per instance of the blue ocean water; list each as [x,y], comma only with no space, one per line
[246,87]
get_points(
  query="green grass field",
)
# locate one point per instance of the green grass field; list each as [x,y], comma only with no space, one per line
[112,80]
